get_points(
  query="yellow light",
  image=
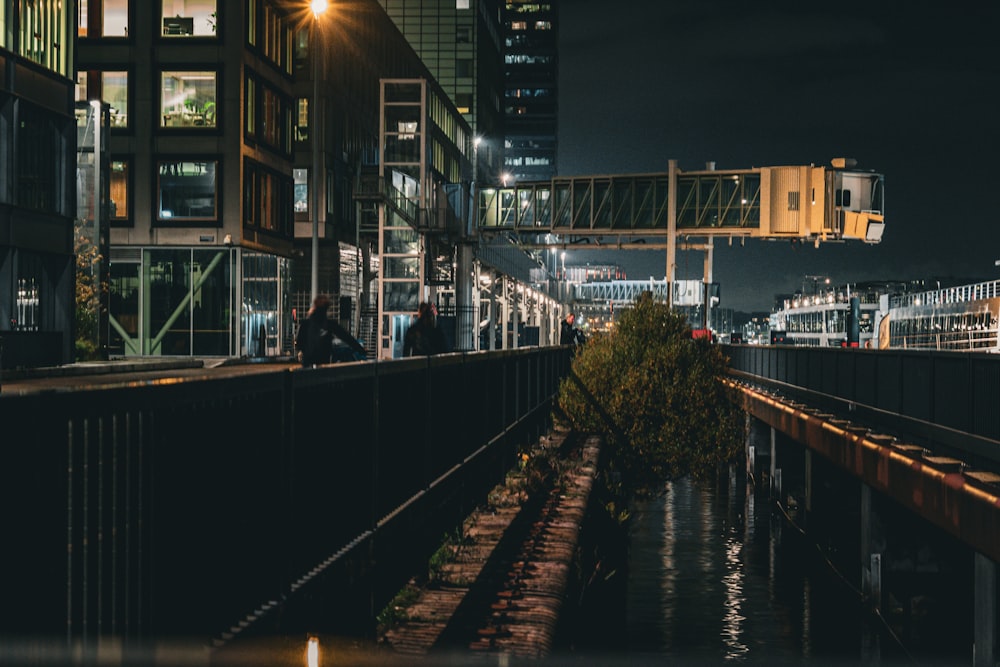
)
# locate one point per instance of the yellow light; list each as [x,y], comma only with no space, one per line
[318,7]
[312,647]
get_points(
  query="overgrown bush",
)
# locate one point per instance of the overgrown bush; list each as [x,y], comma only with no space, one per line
[654,393]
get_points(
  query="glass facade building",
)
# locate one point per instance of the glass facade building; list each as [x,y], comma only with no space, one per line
[214,111]
[459,41]
[37,203]
[201,152]
[531,94]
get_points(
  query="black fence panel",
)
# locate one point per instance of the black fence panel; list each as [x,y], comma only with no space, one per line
[949,398]
[985,401]
[182,508]
[917,379]
[866,376]
[889,391]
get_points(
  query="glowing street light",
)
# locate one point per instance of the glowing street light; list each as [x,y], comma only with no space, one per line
[312,645]
[318,8]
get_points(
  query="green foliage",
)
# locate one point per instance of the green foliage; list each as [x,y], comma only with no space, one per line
[654,394]
[395,612]
[88,293]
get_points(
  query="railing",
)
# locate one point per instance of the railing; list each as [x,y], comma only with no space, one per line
[945,399]
[973,339]
[228,507]
[960,294]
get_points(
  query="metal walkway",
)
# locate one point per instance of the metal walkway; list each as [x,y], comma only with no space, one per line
[640,211]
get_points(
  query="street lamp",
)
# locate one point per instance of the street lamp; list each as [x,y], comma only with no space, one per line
[476,140]
[318,8]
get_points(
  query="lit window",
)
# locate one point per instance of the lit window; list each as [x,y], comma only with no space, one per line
[119,190]
[81,18]
[114,91]
[187,99]
[519,25]
[45,34]
[461,4]
[301,179]
[115,14]
[543,25]
[189,18]
[302,119]
[250,105]
[80,89]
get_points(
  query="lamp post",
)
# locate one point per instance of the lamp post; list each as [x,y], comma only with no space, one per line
[476,140]
[318,8]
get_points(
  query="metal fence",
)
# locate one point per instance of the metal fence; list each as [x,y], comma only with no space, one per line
[951,399]
[266,503]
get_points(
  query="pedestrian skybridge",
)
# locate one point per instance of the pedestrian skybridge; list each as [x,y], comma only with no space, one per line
[806,203]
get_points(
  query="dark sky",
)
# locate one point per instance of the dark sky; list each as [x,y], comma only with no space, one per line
[908,89]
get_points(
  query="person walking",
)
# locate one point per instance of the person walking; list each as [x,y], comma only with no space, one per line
[423,337]
[314,342]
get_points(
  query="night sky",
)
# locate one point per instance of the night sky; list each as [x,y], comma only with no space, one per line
[908,89]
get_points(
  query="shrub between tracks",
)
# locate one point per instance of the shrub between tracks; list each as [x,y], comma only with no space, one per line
[653,392]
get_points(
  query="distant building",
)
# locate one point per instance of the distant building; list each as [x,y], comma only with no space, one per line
[37,192]
[460,43]
[531,57]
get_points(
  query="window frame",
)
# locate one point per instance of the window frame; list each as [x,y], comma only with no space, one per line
[128,219]
[95,22]
[189,68]
[159,26]
[159,161]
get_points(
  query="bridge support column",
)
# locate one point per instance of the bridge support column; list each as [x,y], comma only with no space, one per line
[871,562]
[984,611]
[775,469]
[807,465]
[494,310]
[514,313]
[871,575]
[504,312]
[466,315]
[758,448]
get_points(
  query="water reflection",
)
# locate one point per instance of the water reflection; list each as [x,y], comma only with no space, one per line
[710,580]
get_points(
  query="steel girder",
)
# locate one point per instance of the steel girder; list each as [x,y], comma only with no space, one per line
[709,203]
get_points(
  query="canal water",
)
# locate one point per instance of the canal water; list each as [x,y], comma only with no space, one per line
[714,576]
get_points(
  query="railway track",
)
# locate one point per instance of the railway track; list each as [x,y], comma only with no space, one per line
[504,583]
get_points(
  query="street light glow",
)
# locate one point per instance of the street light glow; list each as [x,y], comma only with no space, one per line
[318,8]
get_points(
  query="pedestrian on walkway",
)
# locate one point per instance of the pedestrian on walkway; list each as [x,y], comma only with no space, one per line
[423,337]
[568,333]
[314,342]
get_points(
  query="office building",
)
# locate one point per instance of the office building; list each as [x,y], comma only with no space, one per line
[37,162]
[213,114]
[460,42]
[531,92]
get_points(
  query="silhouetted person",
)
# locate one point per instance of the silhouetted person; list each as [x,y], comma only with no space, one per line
[423,337]
[314,341]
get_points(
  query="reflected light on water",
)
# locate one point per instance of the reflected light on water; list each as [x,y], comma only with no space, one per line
[732,620]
